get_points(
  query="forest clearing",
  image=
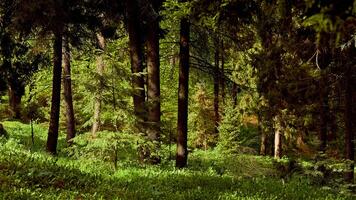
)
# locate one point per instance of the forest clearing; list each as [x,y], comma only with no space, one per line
[177,99]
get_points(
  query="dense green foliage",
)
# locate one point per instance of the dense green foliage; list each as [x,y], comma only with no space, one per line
[251,98]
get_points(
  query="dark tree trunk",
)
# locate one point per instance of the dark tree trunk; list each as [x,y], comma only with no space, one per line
[16,91]
[153,83]
[216,90]
[182,125]
[325,58]
[67,91]
[56,94]
[3,132]
[15,86]
[234,93]
[98,95]
[222,78]
[349,135]
[136,55]
[333,125]
[323,109]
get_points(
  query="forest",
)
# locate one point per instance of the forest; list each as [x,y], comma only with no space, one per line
[177,99]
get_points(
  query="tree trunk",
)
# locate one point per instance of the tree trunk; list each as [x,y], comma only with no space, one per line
[98,95]
[182,125]
[349,136]
[325,59]
[333,125]
[56,94]
[323,109]
[16,91]
[136,55]
[67,91]
[153,87]
[3,132]
[15,87]
[222,78]
[216,90]
[263,147]
[234,94]
[277,138]
[153,83]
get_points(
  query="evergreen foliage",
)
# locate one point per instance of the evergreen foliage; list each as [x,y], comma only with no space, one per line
[207,83]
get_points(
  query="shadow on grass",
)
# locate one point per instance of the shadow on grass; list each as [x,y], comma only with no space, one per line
[22,133]
[37,175]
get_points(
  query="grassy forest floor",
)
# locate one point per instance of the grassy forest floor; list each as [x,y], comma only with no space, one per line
[88,172]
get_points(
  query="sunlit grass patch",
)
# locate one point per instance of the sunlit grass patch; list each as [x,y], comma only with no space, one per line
[26,174]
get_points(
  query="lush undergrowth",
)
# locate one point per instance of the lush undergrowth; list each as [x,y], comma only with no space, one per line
[88,172]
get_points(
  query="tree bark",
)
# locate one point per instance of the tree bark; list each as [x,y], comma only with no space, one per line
[67,91]
[98,95]
[325,59]
[216,90]
[222,78]
[263,147]
[323,109]
[15,86]
[153,83]
[56,94]
[234,94]
[182,125]
[136,55]
[349,135]
[16,90]
[277,138]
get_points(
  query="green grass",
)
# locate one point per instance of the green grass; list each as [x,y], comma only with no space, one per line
[27,172]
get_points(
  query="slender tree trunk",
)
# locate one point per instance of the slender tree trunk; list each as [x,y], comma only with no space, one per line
[15,87]
[15,90]
[56,94]
[324,60]
[3,132]
[263,147]
[172,60]
[222,78]
[216,90]
[153,83]
[67,91]
[349,135]
[277,138]
[234,94]
[333,125]
[182,125]
[136,55]
[98,95]
[153,87]
[323,109]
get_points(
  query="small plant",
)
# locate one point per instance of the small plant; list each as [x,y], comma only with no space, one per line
[203,130]
[107,146]
[235,135]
